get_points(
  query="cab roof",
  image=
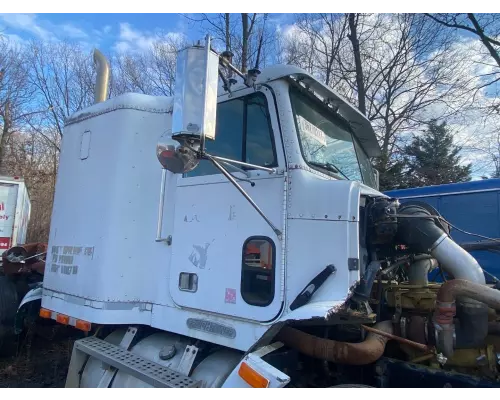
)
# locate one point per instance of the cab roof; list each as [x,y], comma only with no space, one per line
[361,126]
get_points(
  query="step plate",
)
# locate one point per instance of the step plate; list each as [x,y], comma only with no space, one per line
[148,371]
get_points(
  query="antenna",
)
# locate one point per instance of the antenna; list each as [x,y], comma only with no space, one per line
[261,41]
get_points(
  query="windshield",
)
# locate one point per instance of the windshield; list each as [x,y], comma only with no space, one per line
[327,143]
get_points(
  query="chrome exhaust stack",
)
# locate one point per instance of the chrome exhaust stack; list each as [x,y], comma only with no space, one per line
[102,81]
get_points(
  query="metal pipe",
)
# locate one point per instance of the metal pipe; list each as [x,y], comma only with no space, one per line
[102,79]
[450,290]
[418,273]
[366,352]
[473,315]
[425,235]
[232,68]
[244,164]
[161,206]
[399,339]
[238,169]
[34,256]
[419,229]
[457,261]
[471,330]
[481,245]
[393,266]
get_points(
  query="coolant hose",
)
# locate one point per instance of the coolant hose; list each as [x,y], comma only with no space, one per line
[445,312]
[450,290]
[366,352]
[364,288]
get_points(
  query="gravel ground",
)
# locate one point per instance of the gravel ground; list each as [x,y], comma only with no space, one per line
[37,362]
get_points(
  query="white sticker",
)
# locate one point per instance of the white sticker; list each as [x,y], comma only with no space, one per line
[312,131]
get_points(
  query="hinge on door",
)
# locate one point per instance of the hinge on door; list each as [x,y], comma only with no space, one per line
[353,264]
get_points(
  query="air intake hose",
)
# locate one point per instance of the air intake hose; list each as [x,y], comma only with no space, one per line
[423,234]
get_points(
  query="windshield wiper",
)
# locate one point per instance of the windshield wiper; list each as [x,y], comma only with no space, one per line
[329,167]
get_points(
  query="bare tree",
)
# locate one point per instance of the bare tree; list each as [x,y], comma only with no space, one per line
[15,93]
[419,76]
[486,27]
[322,37]
[491,148]
[482,144]
[35,159]
[62,76]
[247,36]
[400,70]
[151,72]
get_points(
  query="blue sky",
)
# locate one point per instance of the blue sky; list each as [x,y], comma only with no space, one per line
[107,31]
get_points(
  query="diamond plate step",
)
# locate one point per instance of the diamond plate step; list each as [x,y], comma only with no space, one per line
[148,371]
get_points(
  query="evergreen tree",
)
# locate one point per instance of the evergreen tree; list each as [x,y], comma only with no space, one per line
[392,173]
[432,159]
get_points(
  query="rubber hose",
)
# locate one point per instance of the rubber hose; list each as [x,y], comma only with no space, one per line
[366,352]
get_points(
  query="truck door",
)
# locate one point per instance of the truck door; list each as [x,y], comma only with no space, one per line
[225,258]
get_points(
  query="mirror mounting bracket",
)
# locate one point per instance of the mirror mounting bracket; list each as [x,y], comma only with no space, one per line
[215,160]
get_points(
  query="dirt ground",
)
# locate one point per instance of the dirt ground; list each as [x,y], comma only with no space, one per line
[36,363]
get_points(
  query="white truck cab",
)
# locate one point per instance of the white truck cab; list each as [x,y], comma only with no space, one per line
[255,224]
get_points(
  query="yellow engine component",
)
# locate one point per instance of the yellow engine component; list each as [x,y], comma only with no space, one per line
[404,296]
[480,361]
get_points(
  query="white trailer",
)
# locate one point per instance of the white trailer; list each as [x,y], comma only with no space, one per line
[261,276]
[15,209]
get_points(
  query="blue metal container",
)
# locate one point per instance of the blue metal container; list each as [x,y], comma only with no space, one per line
[471,206]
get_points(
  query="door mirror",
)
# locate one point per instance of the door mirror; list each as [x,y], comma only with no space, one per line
[194,111]
[195,93]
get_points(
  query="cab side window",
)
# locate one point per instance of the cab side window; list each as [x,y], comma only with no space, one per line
[258,271]
[243,133]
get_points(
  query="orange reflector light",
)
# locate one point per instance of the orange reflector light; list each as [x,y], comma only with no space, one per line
[82,325]
[44,313]
[62,319]
[252,377]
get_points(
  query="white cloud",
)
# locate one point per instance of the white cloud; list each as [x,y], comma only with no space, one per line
[131,39]
[134,40]
[122,47]
[15,40]
[27,23]
[74,32]
[41,28]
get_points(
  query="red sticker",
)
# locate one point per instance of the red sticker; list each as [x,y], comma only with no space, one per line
[4,243]
[230,296]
